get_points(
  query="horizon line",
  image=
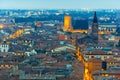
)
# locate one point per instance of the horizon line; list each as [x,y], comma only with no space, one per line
[60,9]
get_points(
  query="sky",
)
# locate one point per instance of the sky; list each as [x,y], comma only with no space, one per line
[59,4]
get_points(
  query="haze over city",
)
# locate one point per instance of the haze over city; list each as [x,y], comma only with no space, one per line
[59,4]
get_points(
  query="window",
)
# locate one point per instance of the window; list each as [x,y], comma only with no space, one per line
[92,56]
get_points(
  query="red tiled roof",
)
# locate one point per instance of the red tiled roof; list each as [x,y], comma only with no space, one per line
[111,60]
[94,60]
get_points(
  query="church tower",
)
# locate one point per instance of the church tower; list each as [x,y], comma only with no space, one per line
[95,28]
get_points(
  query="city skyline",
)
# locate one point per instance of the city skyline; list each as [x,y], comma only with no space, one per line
[59,40]
[62,4]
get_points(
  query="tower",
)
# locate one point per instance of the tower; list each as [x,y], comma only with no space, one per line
[95,29]
[35,25]
[4,46]
[67,23]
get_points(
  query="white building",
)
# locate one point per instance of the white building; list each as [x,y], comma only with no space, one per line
[4,47]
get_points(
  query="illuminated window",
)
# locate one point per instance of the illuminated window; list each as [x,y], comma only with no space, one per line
[106,75]
[6,65]
[112,63]
[2,65]
[103,75]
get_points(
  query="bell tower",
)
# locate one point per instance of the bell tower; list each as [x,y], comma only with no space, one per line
[95,28]
[67,23]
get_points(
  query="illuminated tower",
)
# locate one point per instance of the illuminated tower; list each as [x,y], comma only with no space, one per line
[95,29]
[67,23]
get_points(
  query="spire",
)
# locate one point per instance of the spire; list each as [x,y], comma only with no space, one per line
[95,18]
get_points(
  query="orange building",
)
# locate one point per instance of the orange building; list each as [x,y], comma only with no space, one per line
[67,23]
[68,26]
[95,64]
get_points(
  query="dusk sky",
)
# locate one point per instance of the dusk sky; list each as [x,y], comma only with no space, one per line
[59,4]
